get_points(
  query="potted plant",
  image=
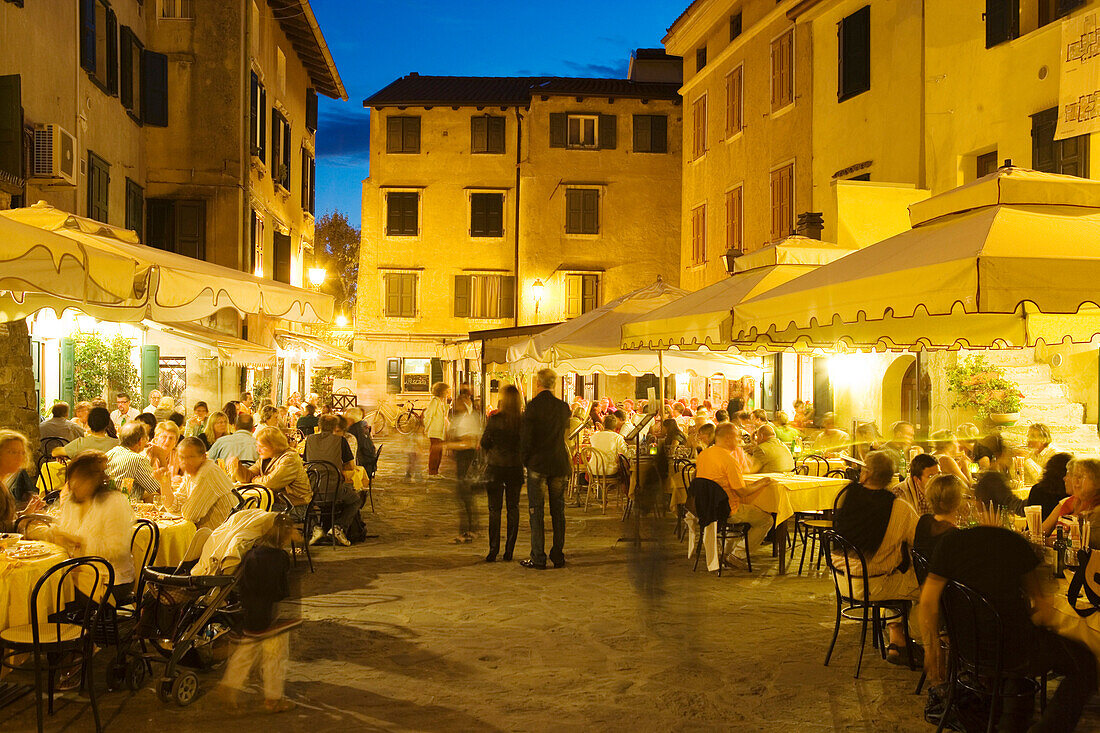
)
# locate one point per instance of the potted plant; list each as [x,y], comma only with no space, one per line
[984,388]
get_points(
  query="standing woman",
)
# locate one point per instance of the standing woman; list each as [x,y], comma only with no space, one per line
[501,441]
[435,426]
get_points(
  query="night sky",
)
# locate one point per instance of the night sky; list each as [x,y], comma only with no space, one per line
[377,41]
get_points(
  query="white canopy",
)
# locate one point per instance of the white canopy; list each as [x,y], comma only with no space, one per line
[231,351]
[324,353]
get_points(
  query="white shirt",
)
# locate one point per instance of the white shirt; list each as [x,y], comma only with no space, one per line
[207,497]
[104,525]
[608,446]
[150,409]
[117,417]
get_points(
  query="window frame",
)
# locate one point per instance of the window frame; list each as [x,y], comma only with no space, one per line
[583,231]
[735,235]
[489,122]
[280,150]
[699,234]
[981,158]
[389,234]
[385,275]
[479,306]
[635,134]
[777,235]
[777,104]
[581,277]
[470,228]
[735,112]
[96,163]
[182,10]
[845,41]
[254,264]
[135,208]
[405,121]
[581,119]
[699,127]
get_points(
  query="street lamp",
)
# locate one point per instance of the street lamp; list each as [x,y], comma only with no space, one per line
[537,289]
[316,276]
[341,320]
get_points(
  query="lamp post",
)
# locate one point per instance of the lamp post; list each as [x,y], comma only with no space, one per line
[537,290]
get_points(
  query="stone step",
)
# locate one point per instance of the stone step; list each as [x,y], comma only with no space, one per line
[1071,413]
[1010,357]
[1031,374]
[1044,392]
[1080,440]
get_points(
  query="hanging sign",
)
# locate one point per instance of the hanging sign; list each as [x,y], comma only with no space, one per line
[1079,87]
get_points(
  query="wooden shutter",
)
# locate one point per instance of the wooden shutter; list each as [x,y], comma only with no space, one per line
[135,207]
[393,293]
[126,67]
[854,52]
[408,295]
[411,135]
[437,369]
[642,134]
[393,376]
[112,52]
[1073,156]
[87,34]
[287,159]
[98,188]
[305,180]
[733,220]
[782,187]
[782,92]
[1043,127]
[11,129]
[558,125]
[261,129]
[734,89]
[410,224]
[312,185]
[393,134]
[1065,7]
[154,84]
[462,296]
[254,115]
[507,297]
[590,292]
[191,232]
[160,224]
[281,265]
[311,110]
[658,133]
[574,218]
[1002,21]
[699,120]
[479,134]
[150,369]
[496,134]
[572,296]
[486,215]
[590,223]
[608,136]
[68,372]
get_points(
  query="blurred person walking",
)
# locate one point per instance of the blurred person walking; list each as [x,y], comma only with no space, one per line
[502,443]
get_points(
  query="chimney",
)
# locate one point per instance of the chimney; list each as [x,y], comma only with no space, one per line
[810,224]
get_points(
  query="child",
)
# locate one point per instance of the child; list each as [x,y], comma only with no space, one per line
[262,585]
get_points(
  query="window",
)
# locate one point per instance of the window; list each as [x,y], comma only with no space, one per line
[735,102]
[699,235]
[485,296]
[1069,157]
[782,185]
[582,294]
[735,239]
[154,89]
[400,290]
[486,215]
[699,124]
[311,110]
[582,211]
[309,182]
[177,225]
[650,134]
[177,9]
[486,134]
[1002,21]
[854,54]
[280,70]
[1052,10]
[402,134]
[700,58]
[99,179]
[986,164]
[130,66]
[99,43]
[735,26]
[782,71]
[583,131]
[254,259]
[257,119]
[402,214]
[280,261]
[135,208]
[280,150]
[13,160]
[418,375]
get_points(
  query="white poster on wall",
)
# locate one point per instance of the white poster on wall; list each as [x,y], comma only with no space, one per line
[1079,86]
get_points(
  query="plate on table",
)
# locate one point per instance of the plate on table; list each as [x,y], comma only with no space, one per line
[31,550]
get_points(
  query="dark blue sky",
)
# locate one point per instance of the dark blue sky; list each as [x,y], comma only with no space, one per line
[377,41]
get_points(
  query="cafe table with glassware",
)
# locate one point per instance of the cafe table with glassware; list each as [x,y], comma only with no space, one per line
[789,493]
[22,563]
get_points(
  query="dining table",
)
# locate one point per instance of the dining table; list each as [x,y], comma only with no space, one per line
[1061,617]
[21,566]
[789,493]
[175,535]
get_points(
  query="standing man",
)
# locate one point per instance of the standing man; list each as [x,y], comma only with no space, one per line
[547,460]
[247,401]
[125,412]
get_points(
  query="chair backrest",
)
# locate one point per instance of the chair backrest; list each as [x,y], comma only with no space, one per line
[374,469]
[978,642]
[254,496]
[23,523]
[325,479]
[595,463]
[687,474]
[91,576]
[46,447]
[920,564]
[814,464]
[847,564]
[144,544]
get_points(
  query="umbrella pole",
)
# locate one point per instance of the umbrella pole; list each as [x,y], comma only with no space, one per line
[660,413]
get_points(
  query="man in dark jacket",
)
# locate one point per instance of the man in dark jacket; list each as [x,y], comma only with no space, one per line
[547,459]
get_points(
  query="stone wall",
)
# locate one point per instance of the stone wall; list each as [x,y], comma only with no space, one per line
[18,404]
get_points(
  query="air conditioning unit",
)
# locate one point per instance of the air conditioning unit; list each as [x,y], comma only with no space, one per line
[54,155]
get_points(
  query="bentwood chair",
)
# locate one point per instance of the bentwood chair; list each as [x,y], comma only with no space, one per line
[602,478]
[62,642]
[325,479]
[254,496]
[370,476]
[687,475]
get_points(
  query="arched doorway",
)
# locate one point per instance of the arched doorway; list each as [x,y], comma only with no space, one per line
[916,397]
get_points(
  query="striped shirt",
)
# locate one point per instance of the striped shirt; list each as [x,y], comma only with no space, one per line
[207,497]
[123,463]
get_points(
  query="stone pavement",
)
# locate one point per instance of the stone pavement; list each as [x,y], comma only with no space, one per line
[409,632]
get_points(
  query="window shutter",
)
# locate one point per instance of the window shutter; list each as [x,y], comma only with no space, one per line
[261,129]
[286,155]
[87,34]
[495,215]
[154,82]
[410,225]
[311,110]
[507,302]
[591,216]
[607,132]
[479,134]
[1067,6]
[312,185]
[1043,127]
[408,295]
[135,207]
[160,224]
[68,359]
[191,231]
[393,216]
[462,296]
[557,129]
[126,67]
[411,135]
[112,52]
[393,376]
[437,369]
[574,213]
[477,215]
[254,115]
[642,133]
[658,133]
[276,146]
[854,43]
[305,180]
[496,134]
[393,134]
[11,127]
[590,286]
[572,296]
[150,369]
[1002,21]
[393,294]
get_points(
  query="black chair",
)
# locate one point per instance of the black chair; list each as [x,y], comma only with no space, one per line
[117,623]
[812,524]
[282,505]
[64,641]
[325,479]
[254,496]
[698,492]
[980,658]
[848,567]
[819,462]
[687,475]
[920,567]
[45,456]
[370,477]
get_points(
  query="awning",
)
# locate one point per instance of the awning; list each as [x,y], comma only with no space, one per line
[458,350]
[321,353]
[982,266]
[230,350]
[178,288]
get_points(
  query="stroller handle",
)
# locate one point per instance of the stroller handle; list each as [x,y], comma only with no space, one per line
[187,581]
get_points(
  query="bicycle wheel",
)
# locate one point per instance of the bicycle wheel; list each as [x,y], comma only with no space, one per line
[377,424]
[407,422]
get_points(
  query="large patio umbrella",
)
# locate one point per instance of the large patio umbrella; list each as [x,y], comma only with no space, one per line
[704,318]
[1009,260]
[176,288]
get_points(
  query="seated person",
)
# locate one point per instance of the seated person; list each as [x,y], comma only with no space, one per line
[787,435]
[757,418]
[921,470]
[944,493]
[607,446]
[704,438]
[94,519]
[280,469]
[770,454]
[721,416]
[60,426]
[622,422]
[993,453]
[332,448]
[867,440]
[1051,488]
[15,483]
[161,452]
[239,444]
[99,419]
[307,423]
[1040,449]
[1083,485]
[992,487]
[903,434]
[882,527]
[1001,566]
[945,449]
[205,496]
[831,441]
[129,468]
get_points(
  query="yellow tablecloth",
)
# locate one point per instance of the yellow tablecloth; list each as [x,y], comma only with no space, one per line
[17,579]
[1063,620]
[175,536]
[797,493]
[817,468]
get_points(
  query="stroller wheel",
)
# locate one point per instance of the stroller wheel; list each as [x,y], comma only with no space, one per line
[116,674]
[185,688]
[135,674]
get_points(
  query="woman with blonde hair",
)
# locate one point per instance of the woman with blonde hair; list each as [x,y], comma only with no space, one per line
[280,469]
[944,493]
[1040,448]
[217,425]
[15,459]
[1083,487]
[80,414]
[165,408]
[435,426]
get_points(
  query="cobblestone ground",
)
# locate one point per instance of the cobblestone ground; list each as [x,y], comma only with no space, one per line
[409,632]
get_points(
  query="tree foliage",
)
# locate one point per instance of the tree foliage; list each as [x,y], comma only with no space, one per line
[336,248]
[100,365]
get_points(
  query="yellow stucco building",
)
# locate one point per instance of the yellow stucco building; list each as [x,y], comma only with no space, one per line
[505,202]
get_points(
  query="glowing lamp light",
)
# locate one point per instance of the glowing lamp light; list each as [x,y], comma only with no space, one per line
[537,290]
[316,276]
[259,271]
[341,320]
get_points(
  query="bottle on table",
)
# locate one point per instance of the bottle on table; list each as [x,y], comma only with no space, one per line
[1060,546]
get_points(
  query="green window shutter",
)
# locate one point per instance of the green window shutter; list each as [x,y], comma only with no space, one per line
[658,133]
[507,306]
[112,52]
[558,129]
[154,86]
[496,134]
[642,133]
[393,294]
[150,370]
[607,132]
[590,220]
[393,376]
[68,383]
[479,134]
[462,296]
[11,127]
[437,370]
[393,134]
[411,136]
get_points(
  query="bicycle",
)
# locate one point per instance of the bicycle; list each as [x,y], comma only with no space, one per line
[403,417]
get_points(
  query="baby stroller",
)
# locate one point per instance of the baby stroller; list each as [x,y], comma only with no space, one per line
[185,614]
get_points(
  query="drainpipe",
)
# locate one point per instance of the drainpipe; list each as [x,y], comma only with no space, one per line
[519,286]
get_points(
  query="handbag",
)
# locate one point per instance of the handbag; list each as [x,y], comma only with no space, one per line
[1086,578]
[477,476]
